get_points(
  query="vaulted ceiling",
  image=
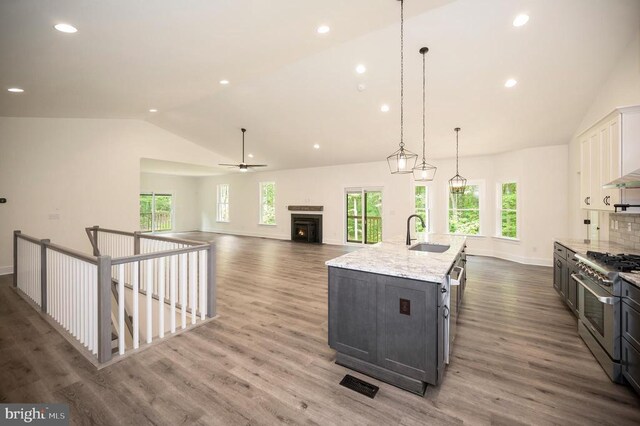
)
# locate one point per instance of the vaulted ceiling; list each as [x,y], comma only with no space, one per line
[293,88]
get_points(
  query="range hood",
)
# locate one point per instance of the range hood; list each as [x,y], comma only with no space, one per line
[630,180]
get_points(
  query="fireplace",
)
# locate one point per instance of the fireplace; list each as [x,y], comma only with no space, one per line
[306,228]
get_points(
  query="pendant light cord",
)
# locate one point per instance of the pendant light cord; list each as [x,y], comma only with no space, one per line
[401,74]
[424,106]
[457,151]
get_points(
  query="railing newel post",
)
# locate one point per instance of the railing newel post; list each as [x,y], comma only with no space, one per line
[15,257]
[211,281]
[94,230]
[104,308]
[43,275]
[136,242]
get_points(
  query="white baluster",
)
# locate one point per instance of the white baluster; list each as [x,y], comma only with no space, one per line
[136,330]
[193,268]
[149,264]
[173,270]
[202,274]
[161,304]
[121,320]
[183,289]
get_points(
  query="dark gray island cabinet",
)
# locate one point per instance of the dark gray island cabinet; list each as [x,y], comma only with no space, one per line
[393,328]
[387,327]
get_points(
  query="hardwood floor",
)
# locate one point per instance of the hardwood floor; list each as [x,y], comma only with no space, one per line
[517,359]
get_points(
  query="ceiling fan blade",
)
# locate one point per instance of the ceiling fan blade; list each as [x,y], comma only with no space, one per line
[257,165]
[229,165]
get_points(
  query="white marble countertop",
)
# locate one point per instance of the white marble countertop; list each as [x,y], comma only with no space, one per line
[395,259]
[579,246]
[632,277]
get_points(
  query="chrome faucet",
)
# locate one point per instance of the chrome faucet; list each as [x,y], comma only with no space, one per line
[409,229]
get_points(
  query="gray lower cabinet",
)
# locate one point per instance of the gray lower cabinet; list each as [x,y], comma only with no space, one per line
[387,327]
[565,264]
[352,314]
[631,334]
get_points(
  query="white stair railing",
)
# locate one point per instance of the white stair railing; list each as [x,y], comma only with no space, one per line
[175,278]
[28,265]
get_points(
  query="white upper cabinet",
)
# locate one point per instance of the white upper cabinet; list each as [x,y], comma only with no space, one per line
[601,160]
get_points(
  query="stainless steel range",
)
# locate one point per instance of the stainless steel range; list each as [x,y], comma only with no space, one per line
[599,305]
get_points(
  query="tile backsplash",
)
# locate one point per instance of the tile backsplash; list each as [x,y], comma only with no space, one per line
[626,231]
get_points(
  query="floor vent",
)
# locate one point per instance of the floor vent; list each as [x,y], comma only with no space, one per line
[353,383]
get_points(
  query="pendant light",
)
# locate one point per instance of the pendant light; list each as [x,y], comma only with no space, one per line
[424,172]
[402,161]
[457,184]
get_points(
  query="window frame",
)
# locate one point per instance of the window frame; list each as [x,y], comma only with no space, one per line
[481,208]
[153,195]
[499,209]
[345,224]
[261,185]
[428,190]
[220,203]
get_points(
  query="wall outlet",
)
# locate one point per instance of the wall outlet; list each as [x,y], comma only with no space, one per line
[613,224]
[629,226]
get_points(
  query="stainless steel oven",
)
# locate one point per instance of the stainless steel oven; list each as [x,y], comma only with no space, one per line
[599,324]
[599,312]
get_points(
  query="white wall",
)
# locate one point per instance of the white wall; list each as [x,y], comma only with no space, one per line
[313,186]
[60,175]
[186,201]
[541,175]
[621,88]
[540,172]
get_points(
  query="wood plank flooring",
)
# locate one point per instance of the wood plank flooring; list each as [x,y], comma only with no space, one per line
[517,359]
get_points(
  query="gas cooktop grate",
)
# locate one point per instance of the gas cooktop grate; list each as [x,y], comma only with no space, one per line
[619,262]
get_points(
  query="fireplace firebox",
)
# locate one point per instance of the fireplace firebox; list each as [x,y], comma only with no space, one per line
[306,228]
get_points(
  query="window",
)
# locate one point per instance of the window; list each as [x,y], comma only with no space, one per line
[267,203]
[464,211]
[364,215]
[223,203]
[156,212]
[421,202]
[508,209]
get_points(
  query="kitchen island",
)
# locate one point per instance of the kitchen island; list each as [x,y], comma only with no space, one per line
[392,308]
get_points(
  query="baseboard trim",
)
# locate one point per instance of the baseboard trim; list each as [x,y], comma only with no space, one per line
[6,270]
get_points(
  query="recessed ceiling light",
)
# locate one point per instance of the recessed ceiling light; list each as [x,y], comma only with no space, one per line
[361,69]
[510,83]
[15,90]
[384,108]
[225,82]
[250,155]
[520,20]
[66,28]
[323,29]
[316,146]
[153,110]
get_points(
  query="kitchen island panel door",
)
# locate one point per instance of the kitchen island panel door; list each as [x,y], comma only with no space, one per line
[352,313]
[407,327]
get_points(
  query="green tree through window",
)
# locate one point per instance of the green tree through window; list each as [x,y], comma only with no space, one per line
[422,207]
[509,210]
[464,211]
[267,203]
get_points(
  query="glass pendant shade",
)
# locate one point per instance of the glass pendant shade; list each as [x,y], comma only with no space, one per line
[457,184]
[402,161]
[424,172]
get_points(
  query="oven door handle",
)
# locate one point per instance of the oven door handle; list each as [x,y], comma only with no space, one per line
[456,281]
[609,300]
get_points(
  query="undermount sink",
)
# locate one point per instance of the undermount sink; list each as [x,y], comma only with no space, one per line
[433,248]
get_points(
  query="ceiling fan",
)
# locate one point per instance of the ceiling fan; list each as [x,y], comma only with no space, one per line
[244,167]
